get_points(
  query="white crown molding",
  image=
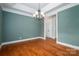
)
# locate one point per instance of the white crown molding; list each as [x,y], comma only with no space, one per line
[18,8]
[61,8]
[49,10]
[16,11]
[24,8]
[50,6]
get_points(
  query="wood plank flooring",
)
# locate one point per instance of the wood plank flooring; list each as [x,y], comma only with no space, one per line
[37,47]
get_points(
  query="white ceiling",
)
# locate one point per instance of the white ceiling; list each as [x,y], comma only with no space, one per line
[35,5]
[29,9]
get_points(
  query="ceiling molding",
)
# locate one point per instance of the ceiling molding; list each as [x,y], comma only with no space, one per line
[50,6]
[18,8]
[35,6]
[61,8]
[24,8]
[16,11]
[50,9]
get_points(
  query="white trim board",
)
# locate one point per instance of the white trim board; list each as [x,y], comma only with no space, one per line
[61,8]
[18,9]
[11,42]
[68,45]
[51,37]
[16,12]
[56,27]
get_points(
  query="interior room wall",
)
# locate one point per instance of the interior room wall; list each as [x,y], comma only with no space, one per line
[18,27]
[68,26]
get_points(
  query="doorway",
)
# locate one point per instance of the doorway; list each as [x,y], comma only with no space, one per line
[51,27]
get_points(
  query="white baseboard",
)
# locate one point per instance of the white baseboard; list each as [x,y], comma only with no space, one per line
[52,37]
[69,45]
[11,42]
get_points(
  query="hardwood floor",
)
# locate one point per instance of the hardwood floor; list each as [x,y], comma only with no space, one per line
[37,47]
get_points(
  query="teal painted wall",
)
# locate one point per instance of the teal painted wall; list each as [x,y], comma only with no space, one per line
[68,26]
[17,27]
[0,25]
